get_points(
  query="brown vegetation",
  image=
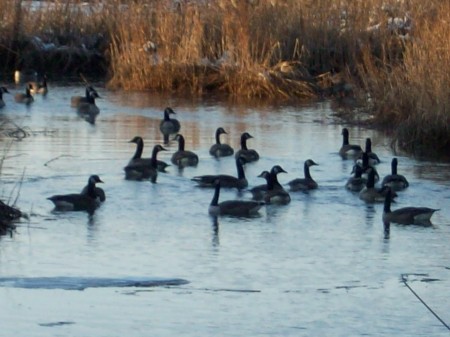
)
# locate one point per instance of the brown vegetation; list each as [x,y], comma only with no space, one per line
[386,56]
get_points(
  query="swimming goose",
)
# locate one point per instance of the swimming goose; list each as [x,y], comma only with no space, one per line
[39,87]
[249,155]
[258,192]
[138,160]
[348,150]
[89,109]
[394,180]
[219,149]
[275,193]
[364,163]
[3,90]
[306,183]
[144,170]
[26,97]
[169,125]
[87,201]
[242,208]
[373,158]
[183,158]
[357,182]
[406,215]
[372,194]
[76,100]
[98,191]
[239,182]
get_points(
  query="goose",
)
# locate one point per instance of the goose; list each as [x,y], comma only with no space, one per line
[89,109]
[26,97]
[394,180]
[219,149]
[88,200]
[240,208]
[239,182]
[183,158]
[258,192]
[169,125]
[357,182]
[99,192]
[275,193]
[348,150]
[39,87]
[144,170]
[137,157]
[3,90]
[372,194]
[76,100]
[406,215]
[249,155]
[364,163]
[373,158]
[306,183]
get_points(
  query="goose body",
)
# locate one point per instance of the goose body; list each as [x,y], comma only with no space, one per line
[183,158]
[228,181]
[394,180]
[169,125]
[357,182]
[39,87]
[348,150]
[138,160]
[219,149]
[75,101]
[370,193]
[275,193]
[3,90]
[88,200]
[89,110]
[98,191]
[143,170]
[406,215]
[306,183]
[249,155]
[242,208]
[258,192]
[25,98]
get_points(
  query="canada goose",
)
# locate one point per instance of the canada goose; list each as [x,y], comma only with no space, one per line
[169,125]
[275,193]
[243,208]
[76,100]
[406,215]
[144,170]
[249,155]
[239,182]
[372,194]
[364,163]
[39,87]
[373,158]
[98,191]
[26,97]
[219,149]
[183,158]
[3,90]
[87,201]
[258,192]
[89,109]
[137,157]
[357,182]
[394,180]
[348,150]
[306,183]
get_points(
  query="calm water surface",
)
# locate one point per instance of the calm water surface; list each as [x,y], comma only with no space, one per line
[321,266]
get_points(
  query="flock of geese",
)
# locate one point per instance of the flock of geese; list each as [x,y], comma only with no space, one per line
[363,180]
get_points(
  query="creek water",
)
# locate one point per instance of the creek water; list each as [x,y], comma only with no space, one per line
[151,261]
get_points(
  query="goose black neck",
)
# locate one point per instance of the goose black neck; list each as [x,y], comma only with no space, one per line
[218,137]
[368,145]
[154,158]
[88,91]
[166,115]
[91,188]
[387,202]
[394,167]
[28,92]
[244,143]
[139,149]
[371,179]
[215,199]
[91,98]
[345,137]
[180,143]
[306,170]
[240,169]
[365,160]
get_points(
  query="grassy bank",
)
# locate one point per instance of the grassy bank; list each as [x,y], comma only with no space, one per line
[387,57]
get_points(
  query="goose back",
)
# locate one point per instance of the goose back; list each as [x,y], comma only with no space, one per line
[169,125]
[249,155]
[306,183]
[183,158]
[218,149]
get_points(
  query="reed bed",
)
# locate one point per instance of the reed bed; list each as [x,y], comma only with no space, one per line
[387,57]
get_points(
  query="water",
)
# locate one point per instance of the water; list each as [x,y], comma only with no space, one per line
[321,266]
